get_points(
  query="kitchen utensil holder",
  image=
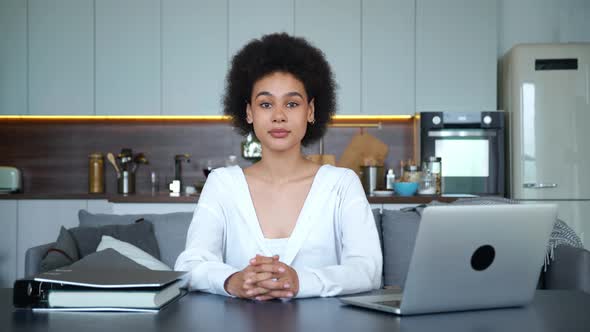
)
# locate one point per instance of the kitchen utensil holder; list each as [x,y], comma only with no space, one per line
[126,183]
[373,178]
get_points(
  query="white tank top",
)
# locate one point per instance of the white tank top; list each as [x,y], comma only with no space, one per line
[276,246]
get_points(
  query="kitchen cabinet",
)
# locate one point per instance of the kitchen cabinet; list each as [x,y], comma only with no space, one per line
[387,70]
[456,55]
[334,26]
[252,19]
[61,57]
[543,21]
[128,62]
[28,223]
[8,224]
[13,60]
[529,21]
[194,56]
[99,206]
[39,222]
[170,57]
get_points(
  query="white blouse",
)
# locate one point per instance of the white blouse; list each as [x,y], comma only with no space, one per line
[334,246]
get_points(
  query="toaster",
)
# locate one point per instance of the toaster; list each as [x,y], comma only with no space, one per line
[10,179]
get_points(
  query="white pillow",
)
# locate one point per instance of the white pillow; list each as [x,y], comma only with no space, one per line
[132,252]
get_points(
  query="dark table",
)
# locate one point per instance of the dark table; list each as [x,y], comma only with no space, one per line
[551,311]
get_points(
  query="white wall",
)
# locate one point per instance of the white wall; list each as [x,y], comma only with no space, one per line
[542,21]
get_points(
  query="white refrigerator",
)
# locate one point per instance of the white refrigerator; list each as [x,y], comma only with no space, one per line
[545,88]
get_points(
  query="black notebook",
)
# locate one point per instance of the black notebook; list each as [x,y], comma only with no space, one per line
[103,281]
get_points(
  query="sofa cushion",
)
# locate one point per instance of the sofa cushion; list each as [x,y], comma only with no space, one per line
[63,252]
[170,229]
[140,234]
[399,229]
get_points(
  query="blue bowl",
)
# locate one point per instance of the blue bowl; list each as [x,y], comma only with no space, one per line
[405,188]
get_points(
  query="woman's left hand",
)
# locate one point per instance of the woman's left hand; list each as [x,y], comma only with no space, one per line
[279,278]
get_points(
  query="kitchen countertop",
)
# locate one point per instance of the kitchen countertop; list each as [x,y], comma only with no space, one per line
[157,198]
[166,198]
[54,196]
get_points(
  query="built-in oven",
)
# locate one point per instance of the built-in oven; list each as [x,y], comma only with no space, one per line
[471,145]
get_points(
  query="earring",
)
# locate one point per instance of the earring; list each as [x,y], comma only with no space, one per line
[312,122]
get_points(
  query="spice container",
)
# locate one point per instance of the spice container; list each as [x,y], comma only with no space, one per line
[389,179]
[154,182]
[411,174]
[427,185]
[433,165]
[96,173]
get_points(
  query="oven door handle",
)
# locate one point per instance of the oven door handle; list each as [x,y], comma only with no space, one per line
[462,133]
[539,185]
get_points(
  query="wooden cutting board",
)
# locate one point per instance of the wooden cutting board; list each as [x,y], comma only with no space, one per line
[363,148]
[323,159]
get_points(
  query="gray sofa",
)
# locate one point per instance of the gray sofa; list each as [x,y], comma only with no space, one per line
[570,268]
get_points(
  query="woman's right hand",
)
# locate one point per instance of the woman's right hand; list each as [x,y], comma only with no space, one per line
[236,285]
[243,284]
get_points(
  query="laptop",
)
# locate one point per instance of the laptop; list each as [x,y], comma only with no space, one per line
[471,257]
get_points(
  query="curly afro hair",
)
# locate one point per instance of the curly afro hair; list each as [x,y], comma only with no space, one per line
[280,52]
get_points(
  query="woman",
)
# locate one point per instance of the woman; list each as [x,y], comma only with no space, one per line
[284,227]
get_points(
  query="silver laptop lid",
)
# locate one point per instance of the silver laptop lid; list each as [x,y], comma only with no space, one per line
[472,257]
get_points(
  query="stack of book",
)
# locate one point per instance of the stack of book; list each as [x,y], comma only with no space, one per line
[87,289]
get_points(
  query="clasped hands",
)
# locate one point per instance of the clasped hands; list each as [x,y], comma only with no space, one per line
[265,278]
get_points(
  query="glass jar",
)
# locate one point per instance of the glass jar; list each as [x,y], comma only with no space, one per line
[411,174]
[427,185]
[433,165]
[154,182]
[96,173]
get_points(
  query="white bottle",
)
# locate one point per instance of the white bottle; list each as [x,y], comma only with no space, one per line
[389,179]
